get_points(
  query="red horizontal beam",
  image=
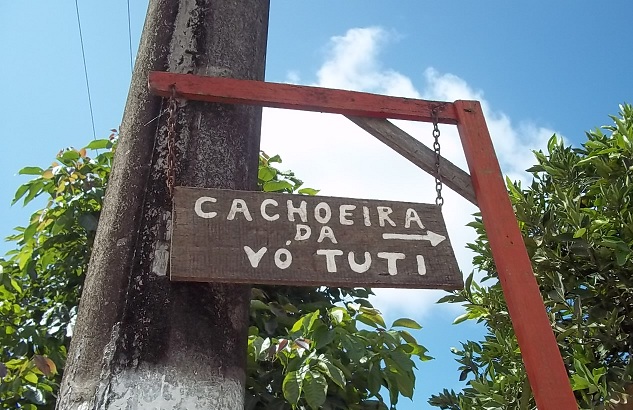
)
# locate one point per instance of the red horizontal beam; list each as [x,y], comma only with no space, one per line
[298,97]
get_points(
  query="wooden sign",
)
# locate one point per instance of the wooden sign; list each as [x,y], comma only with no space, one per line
[281,239]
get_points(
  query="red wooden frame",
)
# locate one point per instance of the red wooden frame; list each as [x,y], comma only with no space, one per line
[544,365]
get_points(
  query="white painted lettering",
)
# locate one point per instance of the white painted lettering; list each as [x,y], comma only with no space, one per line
[344,213]
[325,218]
[239,205]
[254,257]
[303,232]
[263,206]
[412,216]
[430,236]
[326,232]
[287,258]
[359,267]
[383,215]
[330,262]
[198,207]
[392,258]
[421,265]
[301,211]
[366,216]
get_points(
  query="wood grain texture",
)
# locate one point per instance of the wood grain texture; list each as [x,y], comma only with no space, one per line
[212,248]
[543,363]
[418,153]
[297,97]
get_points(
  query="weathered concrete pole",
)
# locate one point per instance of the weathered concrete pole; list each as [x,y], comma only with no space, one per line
[142,342]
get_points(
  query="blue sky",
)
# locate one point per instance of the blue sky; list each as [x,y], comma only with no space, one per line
[538,67]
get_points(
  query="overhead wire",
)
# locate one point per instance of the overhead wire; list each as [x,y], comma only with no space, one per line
[83,55]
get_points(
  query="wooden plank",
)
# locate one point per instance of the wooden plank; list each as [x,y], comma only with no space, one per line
[297,97]
[543,363]
[418,153]
[282,239]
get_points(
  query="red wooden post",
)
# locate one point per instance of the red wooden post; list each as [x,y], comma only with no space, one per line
[543,363]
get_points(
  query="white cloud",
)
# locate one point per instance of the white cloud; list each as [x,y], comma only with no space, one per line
[293,77]
[353,64]
[332,154]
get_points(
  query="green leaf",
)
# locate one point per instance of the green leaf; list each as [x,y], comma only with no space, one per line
[69,155]
[622,257]
[333,372]
[311,320]
[460,318]
[404,322]
[31,171]
[30,231]
[535,168]
[512,188]
[337,314]
[406,384]
[579,383]
[275,158]
[580,232]
[35,189]
[308,191]
[407,337]
[551,144]
[315,389]
[297,325]
[266,173]
[373,315]
[322,336]
[31,377]
[451,299]
[369,320]
[292,386]
[374,379]
[277,186]
[99,144]
[20,193]
[258,305]
[16,286]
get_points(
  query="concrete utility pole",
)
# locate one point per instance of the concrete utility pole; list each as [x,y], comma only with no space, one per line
[141,341]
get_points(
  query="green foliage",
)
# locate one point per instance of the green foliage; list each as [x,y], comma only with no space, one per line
[271,179]
[308,348]
[324,348]
[40,280]
[321,356]
[577,222]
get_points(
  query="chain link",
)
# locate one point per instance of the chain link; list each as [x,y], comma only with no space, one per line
[172,113]
[439,200]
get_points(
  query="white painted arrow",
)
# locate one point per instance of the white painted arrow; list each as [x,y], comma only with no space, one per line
[430,236]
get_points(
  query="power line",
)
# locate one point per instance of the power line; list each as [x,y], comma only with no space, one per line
[83,55]
[129,35]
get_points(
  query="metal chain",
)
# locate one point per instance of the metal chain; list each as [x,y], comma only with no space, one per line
[439,200]
[172,113]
